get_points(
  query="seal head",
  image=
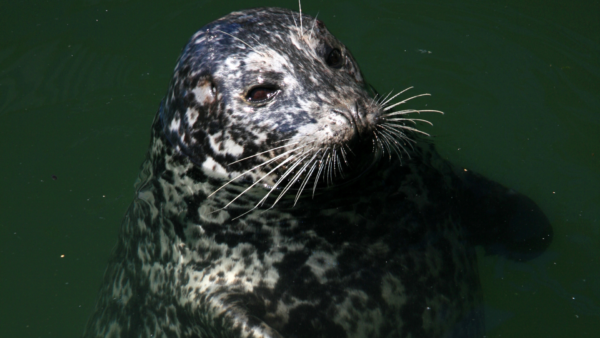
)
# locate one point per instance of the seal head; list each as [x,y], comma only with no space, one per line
[257,81]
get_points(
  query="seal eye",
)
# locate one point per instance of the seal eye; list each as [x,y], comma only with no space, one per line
[334,58]
[261,94]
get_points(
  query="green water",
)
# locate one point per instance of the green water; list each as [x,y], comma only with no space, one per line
[80,82]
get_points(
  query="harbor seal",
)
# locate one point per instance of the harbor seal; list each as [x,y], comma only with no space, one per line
[283,197]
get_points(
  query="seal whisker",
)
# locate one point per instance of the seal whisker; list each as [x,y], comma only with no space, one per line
[339,165]
[330,168]
[307,177]
[399,135]
[385,143]
[409,120]
[374,100]
[242,41]
[289,170]
[349,149]
[393,97]
[300,11]
[343,151]
[326,168]
[385,98]
[377,142]
[260,43]
[321,165]
[285,189]
[284,139]
[392,143]
[390,125]
[411,111]
[256,167]
[404,101]
[395,143]
[395,132]
[294,19]
[313,25]
[257,181]
[294,179]
[266,151]
[334,160]
[380,142]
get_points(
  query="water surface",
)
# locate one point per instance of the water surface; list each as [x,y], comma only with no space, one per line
[80,82]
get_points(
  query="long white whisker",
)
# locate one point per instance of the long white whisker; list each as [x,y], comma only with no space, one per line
[397,133]
[257,204]
[242,41]
[321,165]
[293,18]
[378,142]
[404,101]
[294,179]
[340,169]
[375,99]
[395,143]
[410,120]
[255,39]
[343,151]
[306,179]
[393,97]
[243,214]
[385,98]
[329,166]
[260,179]
[313,25]
[266,151]
[411,111]
[335,161]
[300,10]
[326,169]
[386,142]
[290,183]
[256,167]
[396,126]
[391,143]
[349,149]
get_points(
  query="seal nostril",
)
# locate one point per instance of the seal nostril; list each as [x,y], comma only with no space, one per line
[345,114]
[350,117]
[357,113]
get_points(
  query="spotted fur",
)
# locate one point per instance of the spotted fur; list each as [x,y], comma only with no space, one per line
[378,245]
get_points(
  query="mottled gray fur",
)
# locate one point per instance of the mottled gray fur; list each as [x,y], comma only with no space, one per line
[333,219]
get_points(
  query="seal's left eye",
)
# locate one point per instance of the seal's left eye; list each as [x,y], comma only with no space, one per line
[334,59]
[261,94]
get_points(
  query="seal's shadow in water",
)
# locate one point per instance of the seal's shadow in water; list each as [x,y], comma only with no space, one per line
[265,104]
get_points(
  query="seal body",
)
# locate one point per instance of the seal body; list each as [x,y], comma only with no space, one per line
[282,197]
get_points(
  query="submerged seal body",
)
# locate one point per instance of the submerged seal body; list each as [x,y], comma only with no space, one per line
[281,197]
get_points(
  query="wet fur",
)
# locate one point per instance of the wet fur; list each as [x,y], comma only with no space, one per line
[380,246]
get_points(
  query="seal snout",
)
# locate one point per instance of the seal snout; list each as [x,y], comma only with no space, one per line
[354,118]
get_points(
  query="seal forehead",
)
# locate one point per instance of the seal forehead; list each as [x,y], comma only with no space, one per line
[207,105]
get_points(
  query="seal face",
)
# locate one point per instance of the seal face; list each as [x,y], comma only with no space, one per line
[282,197]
